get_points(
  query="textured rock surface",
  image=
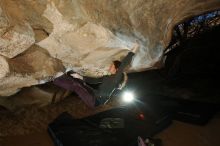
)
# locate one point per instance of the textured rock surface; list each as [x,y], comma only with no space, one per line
[39,38]
[29,68]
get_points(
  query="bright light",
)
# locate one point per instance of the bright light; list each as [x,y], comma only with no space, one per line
[128,97]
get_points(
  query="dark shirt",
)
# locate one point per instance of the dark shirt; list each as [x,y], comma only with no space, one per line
[106,84]
[110,83]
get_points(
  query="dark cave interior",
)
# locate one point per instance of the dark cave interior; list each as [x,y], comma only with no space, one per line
[190,77]
[191,68]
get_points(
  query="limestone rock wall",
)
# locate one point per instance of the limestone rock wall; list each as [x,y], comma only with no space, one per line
[39,38]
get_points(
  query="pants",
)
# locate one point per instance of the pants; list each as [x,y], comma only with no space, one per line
[86,93]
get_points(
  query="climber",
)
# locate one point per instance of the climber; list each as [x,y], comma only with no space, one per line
[85,86]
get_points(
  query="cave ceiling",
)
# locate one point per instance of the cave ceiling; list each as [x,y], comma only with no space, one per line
[42,38]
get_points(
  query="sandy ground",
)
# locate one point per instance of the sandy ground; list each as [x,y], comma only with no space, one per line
[178,134]
[28,126]
[182,134]
[32,119]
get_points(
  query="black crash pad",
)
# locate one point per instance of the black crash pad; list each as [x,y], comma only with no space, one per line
[119,127]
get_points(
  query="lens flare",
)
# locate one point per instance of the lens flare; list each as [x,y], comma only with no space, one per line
[128,97]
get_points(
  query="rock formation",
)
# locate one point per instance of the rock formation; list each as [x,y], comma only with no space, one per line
[40,38]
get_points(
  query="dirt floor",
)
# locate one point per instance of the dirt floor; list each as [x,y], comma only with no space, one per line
[178,134]
[28,126]
[32,119]
[182,134]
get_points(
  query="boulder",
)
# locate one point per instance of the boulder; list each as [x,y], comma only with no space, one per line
[39,39]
